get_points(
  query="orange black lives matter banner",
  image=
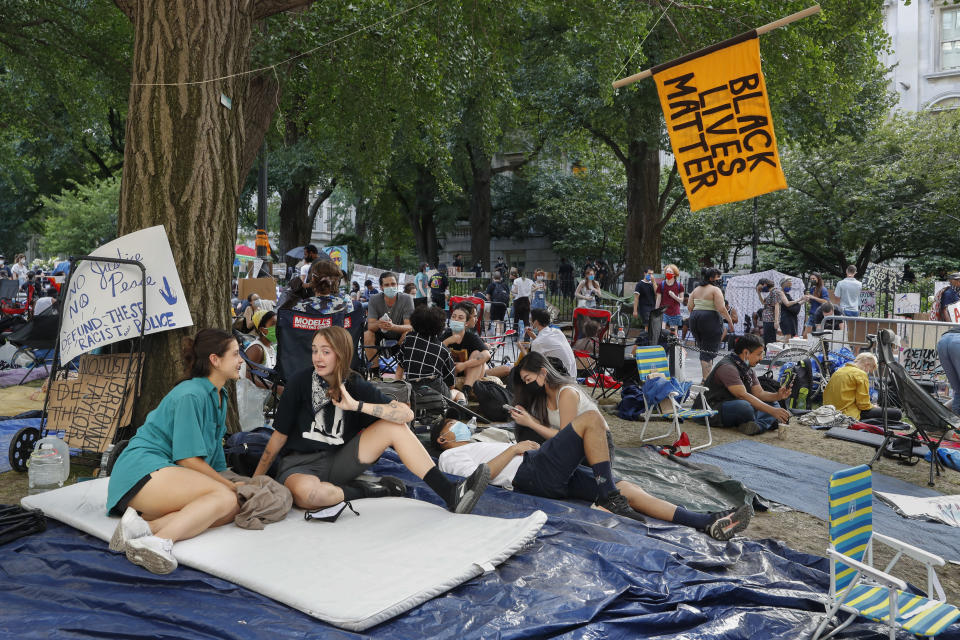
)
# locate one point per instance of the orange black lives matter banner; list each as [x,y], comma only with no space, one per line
[718,116]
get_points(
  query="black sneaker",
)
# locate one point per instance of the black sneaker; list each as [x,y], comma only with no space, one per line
[749,428]
[385,487]
[727,524]
[468,491]
[617,503]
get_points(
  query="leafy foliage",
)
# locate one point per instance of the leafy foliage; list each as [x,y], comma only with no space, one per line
[81,218]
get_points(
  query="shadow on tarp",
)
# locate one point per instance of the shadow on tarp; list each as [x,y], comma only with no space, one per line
[697,487]
[588,575]
[799,480]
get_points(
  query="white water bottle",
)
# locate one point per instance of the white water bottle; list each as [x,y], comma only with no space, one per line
[620,333]
[472,425]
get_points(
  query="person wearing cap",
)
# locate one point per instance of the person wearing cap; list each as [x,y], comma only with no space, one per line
[948,346]
[262,350]
[439,284]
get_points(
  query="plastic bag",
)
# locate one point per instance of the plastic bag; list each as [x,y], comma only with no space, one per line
[250,399]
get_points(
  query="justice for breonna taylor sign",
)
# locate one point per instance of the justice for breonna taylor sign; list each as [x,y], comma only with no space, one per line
[104,302]
[718,116]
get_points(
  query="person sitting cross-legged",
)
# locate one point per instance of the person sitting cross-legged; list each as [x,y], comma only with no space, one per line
[554,470]
[734,390]
[388,317]
[470,352]
[331,426]
[549,341]
[849,390]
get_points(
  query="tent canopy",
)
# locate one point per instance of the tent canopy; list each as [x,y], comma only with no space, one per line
[741,293]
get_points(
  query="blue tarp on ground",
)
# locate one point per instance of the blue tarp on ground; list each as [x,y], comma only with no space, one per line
[588,575]
[799,480]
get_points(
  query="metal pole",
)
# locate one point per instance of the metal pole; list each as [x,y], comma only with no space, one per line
[262,200]
[755,242]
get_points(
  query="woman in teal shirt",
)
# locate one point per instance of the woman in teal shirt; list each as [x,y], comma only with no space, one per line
[166,483]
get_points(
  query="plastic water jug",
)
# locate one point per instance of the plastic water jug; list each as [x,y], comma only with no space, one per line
[48,466]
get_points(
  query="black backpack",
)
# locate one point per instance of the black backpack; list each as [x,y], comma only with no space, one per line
[491,397]
[244,448]
[801,396]
[500,293]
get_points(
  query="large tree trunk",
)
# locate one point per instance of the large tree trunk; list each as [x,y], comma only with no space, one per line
[480,205]
[295,224]
[185,151]
[644,209]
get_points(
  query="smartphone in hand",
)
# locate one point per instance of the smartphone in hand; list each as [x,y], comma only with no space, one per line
[510,408]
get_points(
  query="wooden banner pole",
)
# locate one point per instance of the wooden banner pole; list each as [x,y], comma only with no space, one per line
[799,15]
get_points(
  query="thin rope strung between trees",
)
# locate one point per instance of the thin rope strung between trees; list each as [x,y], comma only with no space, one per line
[670,4]
[277,64]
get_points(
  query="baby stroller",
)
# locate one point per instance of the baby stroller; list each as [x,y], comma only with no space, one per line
[931,419]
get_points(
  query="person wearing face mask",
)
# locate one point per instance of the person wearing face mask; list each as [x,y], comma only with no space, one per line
[588,290]
[388,317]
[549,341]
[670,295]
[708,310]
[421,297]
[818,294]
[521,290]
[19,269]
[263,350]
[552,466]
[789,323]
[539,290]
[770,315]
[470,353]
[645,297]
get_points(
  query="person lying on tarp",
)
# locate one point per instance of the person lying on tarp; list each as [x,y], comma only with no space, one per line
[554,469]
[332,425]
[734,390]
[849,390]
[166,483]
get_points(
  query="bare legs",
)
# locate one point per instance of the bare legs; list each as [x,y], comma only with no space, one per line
[180,503]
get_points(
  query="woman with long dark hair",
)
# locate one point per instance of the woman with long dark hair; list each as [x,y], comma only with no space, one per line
[332,425]
[166,483]
[818,295]
[708,309]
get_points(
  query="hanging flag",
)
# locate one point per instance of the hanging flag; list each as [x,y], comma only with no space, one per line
[718,117]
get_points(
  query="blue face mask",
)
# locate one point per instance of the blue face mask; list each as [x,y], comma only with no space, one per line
[590,277]
[390,292]
[787,288]
[456,326]
[461,432]
[647,277]
[765,288]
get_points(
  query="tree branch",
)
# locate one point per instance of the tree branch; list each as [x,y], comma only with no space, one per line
[319,200]
[266,8]
[127,6]
[607,140]
[671,179]
[262,97]
[510,167]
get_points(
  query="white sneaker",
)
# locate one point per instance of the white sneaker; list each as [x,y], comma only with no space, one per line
[131,526]
[152,553]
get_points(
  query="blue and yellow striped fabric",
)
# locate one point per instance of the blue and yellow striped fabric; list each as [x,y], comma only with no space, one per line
[651,360]
[691,414]
[915,614]
[851,526]
[851,517]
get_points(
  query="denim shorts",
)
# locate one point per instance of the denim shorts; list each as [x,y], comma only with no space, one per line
[673,321]
[555,470]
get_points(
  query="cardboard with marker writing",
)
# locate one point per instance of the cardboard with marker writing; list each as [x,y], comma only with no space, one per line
[90,408]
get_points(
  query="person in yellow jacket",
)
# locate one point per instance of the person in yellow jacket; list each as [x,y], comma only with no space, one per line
[849,390]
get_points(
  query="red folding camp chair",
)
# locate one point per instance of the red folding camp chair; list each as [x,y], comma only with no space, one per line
[587,358]
[478,303]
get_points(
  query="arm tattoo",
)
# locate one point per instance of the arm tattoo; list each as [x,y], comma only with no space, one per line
[377,411]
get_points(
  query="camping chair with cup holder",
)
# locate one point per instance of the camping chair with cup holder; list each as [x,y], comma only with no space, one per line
[652,362]
[35,341]
[860,589]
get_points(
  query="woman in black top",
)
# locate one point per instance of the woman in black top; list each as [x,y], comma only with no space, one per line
[331,426]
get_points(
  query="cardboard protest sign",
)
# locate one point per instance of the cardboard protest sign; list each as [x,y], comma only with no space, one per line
[880,278]
[868,302]
[953,312]
[906,303]
[718,117]
[266,288]
[104,302]
[88,408]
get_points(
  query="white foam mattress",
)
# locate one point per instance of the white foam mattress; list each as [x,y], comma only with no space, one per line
[354,573]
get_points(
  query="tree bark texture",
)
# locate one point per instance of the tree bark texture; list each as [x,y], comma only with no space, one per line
[480,205]
[185,153]
[644,209]
[295,227]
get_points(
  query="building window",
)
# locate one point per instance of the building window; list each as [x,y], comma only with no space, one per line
[950,39]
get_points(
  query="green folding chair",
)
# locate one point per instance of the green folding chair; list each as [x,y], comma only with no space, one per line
[862,590]
[653,360]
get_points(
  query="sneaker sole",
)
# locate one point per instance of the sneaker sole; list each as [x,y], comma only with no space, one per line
[742,518]
[470,498]
[150,560]
[118,542]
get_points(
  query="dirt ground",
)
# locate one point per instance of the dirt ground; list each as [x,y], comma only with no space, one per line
[805,532]
[797,529]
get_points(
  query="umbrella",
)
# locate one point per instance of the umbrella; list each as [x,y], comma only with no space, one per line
[296,253]
[244,250]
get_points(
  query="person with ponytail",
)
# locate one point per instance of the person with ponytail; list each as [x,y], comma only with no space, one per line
[332,425]
[166,483]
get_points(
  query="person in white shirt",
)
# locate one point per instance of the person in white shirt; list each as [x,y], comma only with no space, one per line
[522,291]
[19,268]
[848,291]
[310,254]
[47,301]
[549,341]
[553,469]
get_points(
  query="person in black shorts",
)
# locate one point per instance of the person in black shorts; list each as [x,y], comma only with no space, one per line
[708,309]
[439,283]
[331,426]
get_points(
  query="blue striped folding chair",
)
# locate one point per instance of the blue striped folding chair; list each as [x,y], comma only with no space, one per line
[653,360]
[862,590]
